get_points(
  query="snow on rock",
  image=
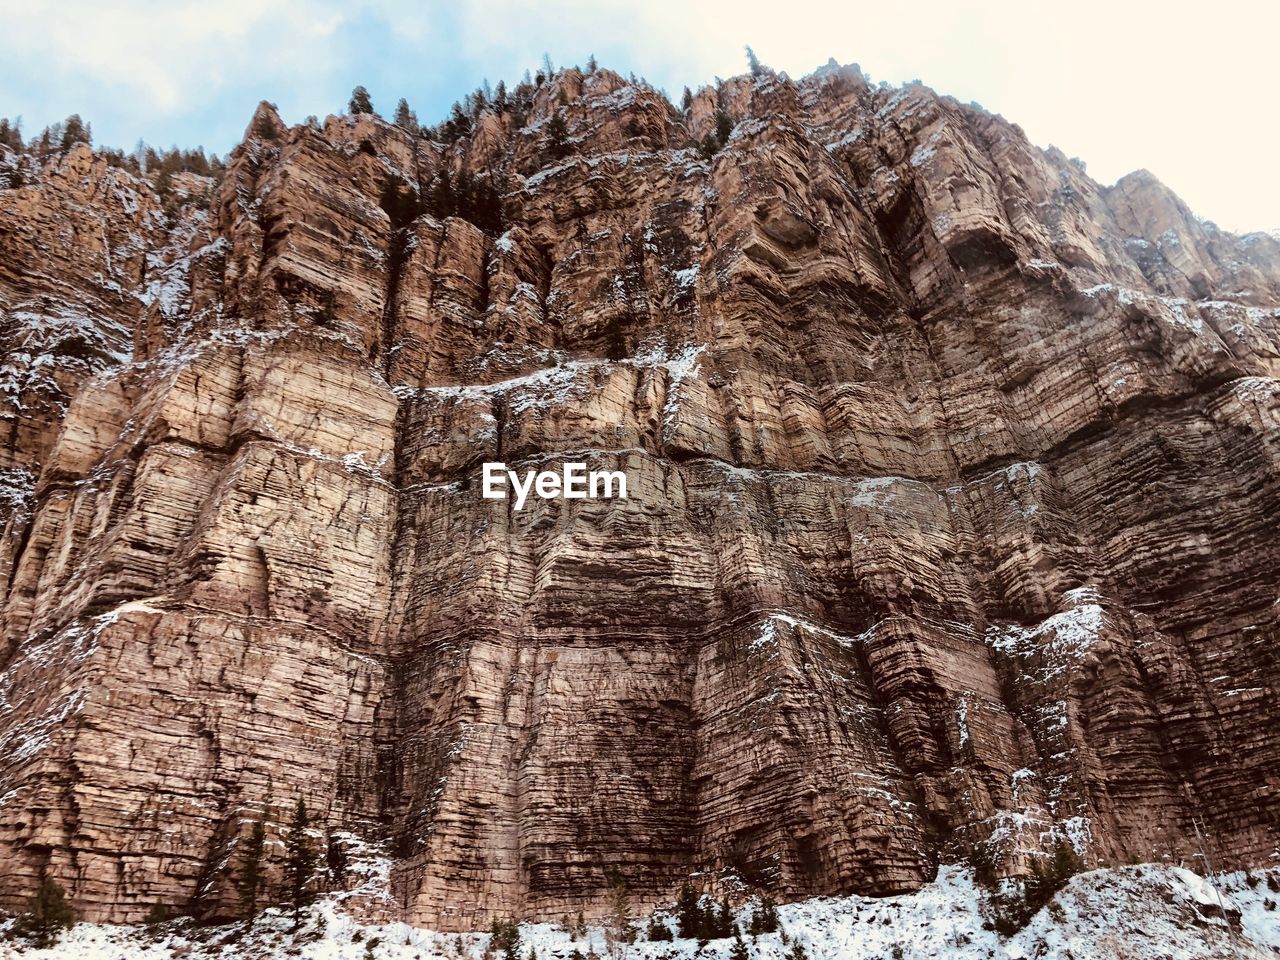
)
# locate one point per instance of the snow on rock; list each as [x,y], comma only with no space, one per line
[1145,912]
[1066,636]
[687,277]
[17,487]
[569,380]
[769,632]
[1191,886]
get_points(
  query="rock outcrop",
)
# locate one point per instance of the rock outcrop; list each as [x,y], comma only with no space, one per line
[951,533]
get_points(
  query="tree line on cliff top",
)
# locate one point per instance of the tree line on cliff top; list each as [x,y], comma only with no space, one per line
[460,194]
[513,104]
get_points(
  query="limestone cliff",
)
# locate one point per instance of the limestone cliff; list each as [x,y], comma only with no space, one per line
[952,529]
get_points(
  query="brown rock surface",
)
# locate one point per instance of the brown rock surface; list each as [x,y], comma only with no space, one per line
[954,482]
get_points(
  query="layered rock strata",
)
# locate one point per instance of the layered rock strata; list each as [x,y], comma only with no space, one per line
[952,531]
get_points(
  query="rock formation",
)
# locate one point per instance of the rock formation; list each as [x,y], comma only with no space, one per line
[952,531]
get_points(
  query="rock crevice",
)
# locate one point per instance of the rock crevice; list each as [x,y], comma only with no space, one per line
[951,533]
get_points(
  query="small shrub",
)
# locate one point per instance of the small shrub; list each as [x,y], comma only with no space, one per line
[658,930]
[48,914]
[764,917]
[264,129]
[621,929]
[689,912]
[504,935]
[557,137]
[1014,909]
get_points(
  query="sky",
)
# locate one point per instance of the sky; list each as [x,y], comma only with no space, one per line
[1185,89]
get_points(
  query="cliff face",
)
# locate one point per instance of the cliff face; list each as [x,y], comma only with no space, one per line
[954,482]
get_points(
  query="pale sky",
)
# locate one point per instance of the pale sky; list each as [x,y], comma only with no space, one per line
[1188,91]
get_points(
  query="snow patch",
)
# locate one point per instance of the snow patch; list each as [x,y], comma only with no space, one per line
[1141,913]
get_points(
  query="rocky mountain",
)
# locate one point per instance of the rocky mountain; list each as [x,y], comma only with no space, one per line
[951,536]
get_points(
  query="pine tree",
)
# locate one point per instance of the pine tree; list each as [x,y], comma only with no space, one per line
[300,861]
[500,97]
[250,878]
[724,919]
[724,127]
[464,189]
[360,101]
[548,69]
[164,188]
[11,134]
[770,915]
[686,100]
[689,912]
[798,952]
[336,853]
[442,202]
[406,119]
[48,914]
[504,935]
[620,927]
[1045,881]
[264,128]
[592,66]
[73,131]
[557,137]
[739,949]
[458,125]
[658,930]
[757,68]
[764,918]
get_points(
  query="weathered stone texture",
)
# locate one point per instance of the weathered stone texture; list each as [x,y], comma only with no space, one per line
[954,481]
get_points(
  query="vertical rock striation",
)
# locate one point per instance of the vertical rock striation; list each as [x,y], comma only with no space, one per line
[953,480]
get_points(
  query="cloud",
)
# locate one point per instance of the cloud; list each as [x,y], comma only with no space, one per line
[163,52]
[1181,90]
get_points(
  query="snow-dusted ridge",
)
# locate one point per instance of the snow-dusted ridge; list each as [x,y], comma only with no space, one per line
[1137,913]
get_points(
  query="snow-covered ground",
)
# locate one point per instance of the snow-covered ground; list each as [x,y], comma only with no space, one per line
[1136,913]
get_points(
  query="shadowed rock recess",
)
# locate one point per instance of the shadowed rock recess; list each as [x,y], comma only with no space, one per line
[954,492]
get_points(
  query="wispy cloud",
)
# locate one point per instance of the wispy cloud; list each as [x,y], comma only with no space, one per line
[1183,91]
